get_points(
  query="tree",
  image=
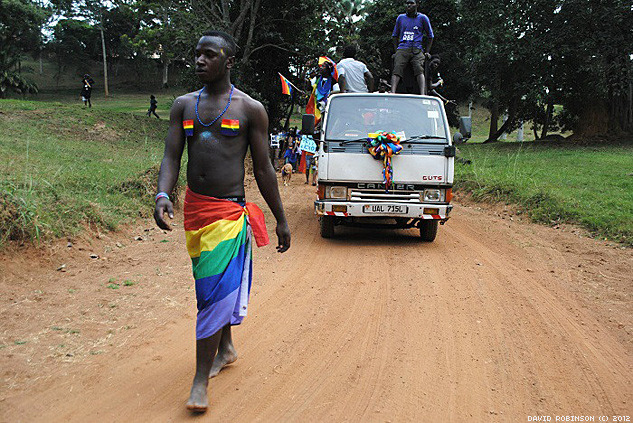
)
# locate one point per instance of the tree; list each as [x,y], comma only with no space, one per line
[166,29]
[119,22]
[75,42]
[289,35]
[93,11]
[593,64]
[527,56]
[342,17]
[18,35]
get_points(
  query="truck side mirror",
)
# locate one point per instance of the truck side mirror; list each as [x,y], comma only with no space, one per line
[465,126]
[307,125]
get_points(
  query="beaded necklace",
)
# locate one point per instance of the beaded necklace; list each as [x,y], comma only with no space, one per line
[220,115]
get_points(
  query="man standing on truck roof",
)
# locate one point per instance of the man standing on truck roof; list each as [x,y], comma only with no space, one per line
[407,36]
[354,77]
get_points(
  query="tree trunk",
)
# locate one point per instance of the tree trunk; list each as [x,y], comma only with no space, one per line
[165,73]
[534,128]
[494,120]
[292,106]
[549,111]
[594,120]
[506,125]
[495,136]
[621,110]
[251,30]
[105,64]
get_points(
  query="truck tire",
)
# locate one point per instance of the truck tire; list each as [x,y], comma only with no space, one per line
[326,224]
[428,230]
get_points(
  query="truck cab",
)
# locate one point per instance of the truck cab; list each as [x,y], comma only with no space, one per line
[351,188]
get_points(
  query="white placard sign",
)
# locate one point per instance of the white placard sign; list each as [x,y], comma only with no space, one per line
[307,144]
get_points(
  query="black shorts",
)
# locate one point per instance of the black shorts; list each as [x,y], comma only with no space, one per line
[406,55]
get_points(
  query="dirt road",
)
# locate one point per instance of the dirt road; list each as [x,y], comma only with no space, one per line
[497,320]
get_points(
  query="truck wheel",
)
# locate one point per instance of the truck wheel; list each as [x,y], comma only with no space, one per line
[327,226]
[428,230]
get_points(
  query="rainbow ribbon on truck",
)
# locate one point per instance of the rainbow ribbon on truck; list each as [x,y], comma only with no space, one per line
[382,146]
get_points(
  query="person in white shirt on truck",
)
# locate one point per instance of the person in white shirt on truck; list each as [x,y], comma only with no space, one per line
[354,77]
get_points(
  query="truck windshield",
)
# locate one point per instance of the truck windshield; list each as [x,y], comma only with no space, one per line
[352,117]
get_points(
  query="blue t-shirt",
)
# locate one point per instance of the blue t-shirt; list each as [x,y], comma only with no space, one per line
[411,30]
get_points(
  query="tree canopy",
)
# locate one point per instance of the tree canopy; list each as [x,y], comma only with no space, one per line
[516,57]
[20,26]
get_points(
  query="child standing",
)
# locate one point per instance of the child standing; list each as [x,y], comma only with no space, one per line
[153,104]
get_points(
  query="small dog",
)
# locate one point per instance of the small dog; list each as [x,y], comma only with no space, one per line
[286,173]
[315,170]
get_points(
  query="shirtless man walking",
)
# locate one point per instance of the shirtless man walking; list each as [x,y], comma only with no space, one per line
[218,123]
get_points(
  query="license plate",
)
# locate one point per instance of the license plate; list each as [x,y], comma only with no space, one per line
[385,208]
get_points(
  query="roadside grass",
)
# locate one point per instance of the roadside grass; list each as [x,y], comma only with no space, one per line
[64,168]
[556,182]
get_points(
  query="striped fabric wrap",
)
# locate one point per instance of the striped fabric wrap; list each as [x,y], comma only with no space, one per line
[219,234]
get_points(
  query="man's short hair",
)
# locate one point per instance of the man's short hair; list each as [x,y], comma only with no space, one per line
[229,42]
[349,50]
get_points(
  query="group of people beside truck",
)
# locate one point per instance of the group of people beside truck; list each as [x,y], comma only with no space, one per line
[302,161]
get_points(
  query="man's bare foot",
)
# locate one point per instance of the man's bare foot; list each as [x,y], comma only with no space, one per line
[198,399]
[222,359]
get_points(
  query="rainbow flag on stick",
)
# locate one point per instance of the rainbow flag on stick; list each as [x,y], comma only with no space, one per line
[286,86]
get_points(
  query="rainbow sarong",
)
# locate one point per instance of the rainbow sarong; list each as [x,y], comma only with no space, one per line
[219,234]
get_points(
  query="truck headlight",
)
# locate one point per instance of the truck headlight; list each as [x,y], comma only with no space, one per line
[432,195]
[336,192]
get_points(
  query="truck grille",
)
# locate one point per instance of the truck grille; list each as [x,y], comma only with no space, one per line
[379,195]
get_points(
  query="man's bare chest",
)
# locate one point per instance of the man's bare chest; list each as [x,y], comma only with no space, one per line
[212,129]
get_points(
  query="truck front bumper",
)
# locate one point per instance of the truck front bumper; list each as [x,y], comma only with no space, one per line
[389,209]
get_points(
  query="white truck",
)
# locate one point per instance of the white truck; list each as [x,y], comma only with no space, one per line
[350,181]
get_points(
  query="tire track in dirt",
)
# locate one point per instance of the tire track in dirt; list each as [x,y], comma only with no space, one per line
[555,325]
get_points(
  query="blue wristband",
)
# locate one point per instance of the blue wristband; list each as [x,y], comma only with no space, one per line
[160,195]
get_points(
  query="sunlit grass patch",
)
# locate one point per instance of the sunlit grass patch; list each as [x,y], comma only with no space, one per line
[64,169]
[556,182]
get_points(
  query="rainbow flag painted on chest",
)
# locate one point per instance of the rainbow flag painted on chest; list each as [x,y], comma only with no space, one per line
[230,127]
[188,126]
